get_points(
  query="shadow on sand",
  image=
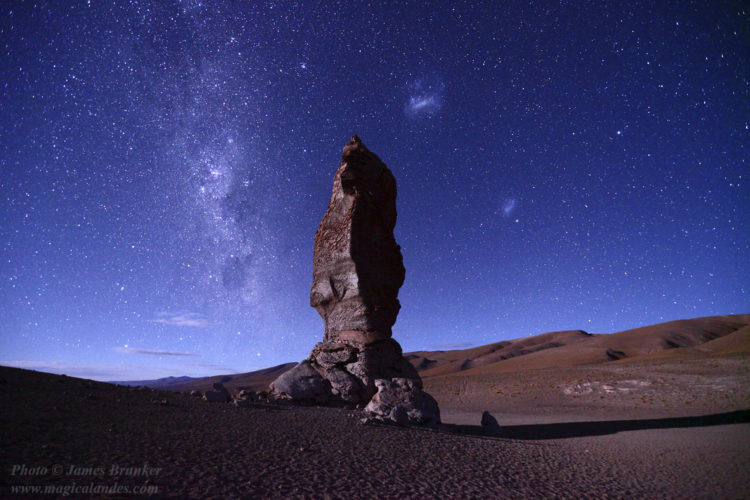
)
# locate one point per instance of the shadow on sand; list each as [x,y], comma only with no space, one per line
[583,429]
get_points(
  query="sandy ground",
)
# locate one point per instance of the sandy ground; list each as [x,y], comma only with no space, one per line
[191,448]
[609,391]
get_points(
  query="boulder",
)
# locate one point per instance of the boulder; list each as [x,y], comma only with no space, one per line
[490,427]
[302,383]
[401,401]
[247,394]
[220,394]
[245,398]
[344,385]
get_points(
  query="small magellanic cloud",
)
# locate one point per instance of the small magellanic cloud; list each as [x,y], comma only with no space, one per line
[509,206]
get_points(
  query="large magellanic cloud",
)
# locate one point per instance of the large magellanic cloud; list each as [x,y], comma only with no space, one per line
[425,96]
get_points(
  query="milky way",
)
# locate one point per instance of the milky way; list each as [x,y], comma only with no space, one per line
[164,167]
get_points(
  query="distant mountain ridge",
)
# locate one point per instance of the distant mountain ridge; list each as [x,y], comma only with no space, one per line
[161,382]
[727,335]
[255,380]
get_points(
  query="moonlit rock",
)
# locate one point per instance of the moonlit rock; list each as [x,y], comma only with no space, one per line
[357,265]
[301,383]
[357,273]
[401,401]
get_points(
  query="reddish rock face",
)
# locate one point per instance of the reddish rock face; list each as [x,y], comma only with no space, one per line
[357,265]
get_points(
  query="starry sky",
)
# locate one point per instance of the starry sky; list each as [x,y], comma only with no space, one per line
[164,167]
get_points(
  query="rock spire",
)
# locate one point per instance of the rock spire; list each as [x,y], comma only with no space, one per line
[357,272]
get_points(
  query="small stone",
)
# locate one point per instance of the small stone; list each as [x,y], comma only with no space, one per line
[247,394]
[490,426]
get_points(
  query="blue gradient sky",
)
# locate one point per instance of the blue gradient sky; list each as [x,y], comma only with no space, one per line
[164,167]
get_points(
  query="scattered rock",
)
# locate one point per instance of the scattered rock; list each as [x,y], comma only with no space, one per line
[195,393]
[247,394]
[245,398]
[490,426]
[220,394]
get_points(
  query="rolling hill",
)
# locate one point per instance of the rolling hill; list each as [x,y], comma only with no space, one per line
[713,336]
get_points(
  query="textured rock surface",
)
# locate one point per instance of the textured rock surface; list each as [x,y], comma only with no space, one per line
[402,401]
[357,265]
[302,383]
[357,272]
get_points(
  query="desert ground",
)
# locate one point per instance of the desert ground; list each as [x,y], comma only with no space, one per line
[645,423]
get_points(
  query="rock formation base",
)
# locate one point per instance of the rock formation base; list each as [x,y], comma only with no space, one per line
[345,372]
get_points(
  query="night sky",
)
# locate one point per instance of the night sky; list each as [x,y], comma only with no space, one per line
[560,165]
